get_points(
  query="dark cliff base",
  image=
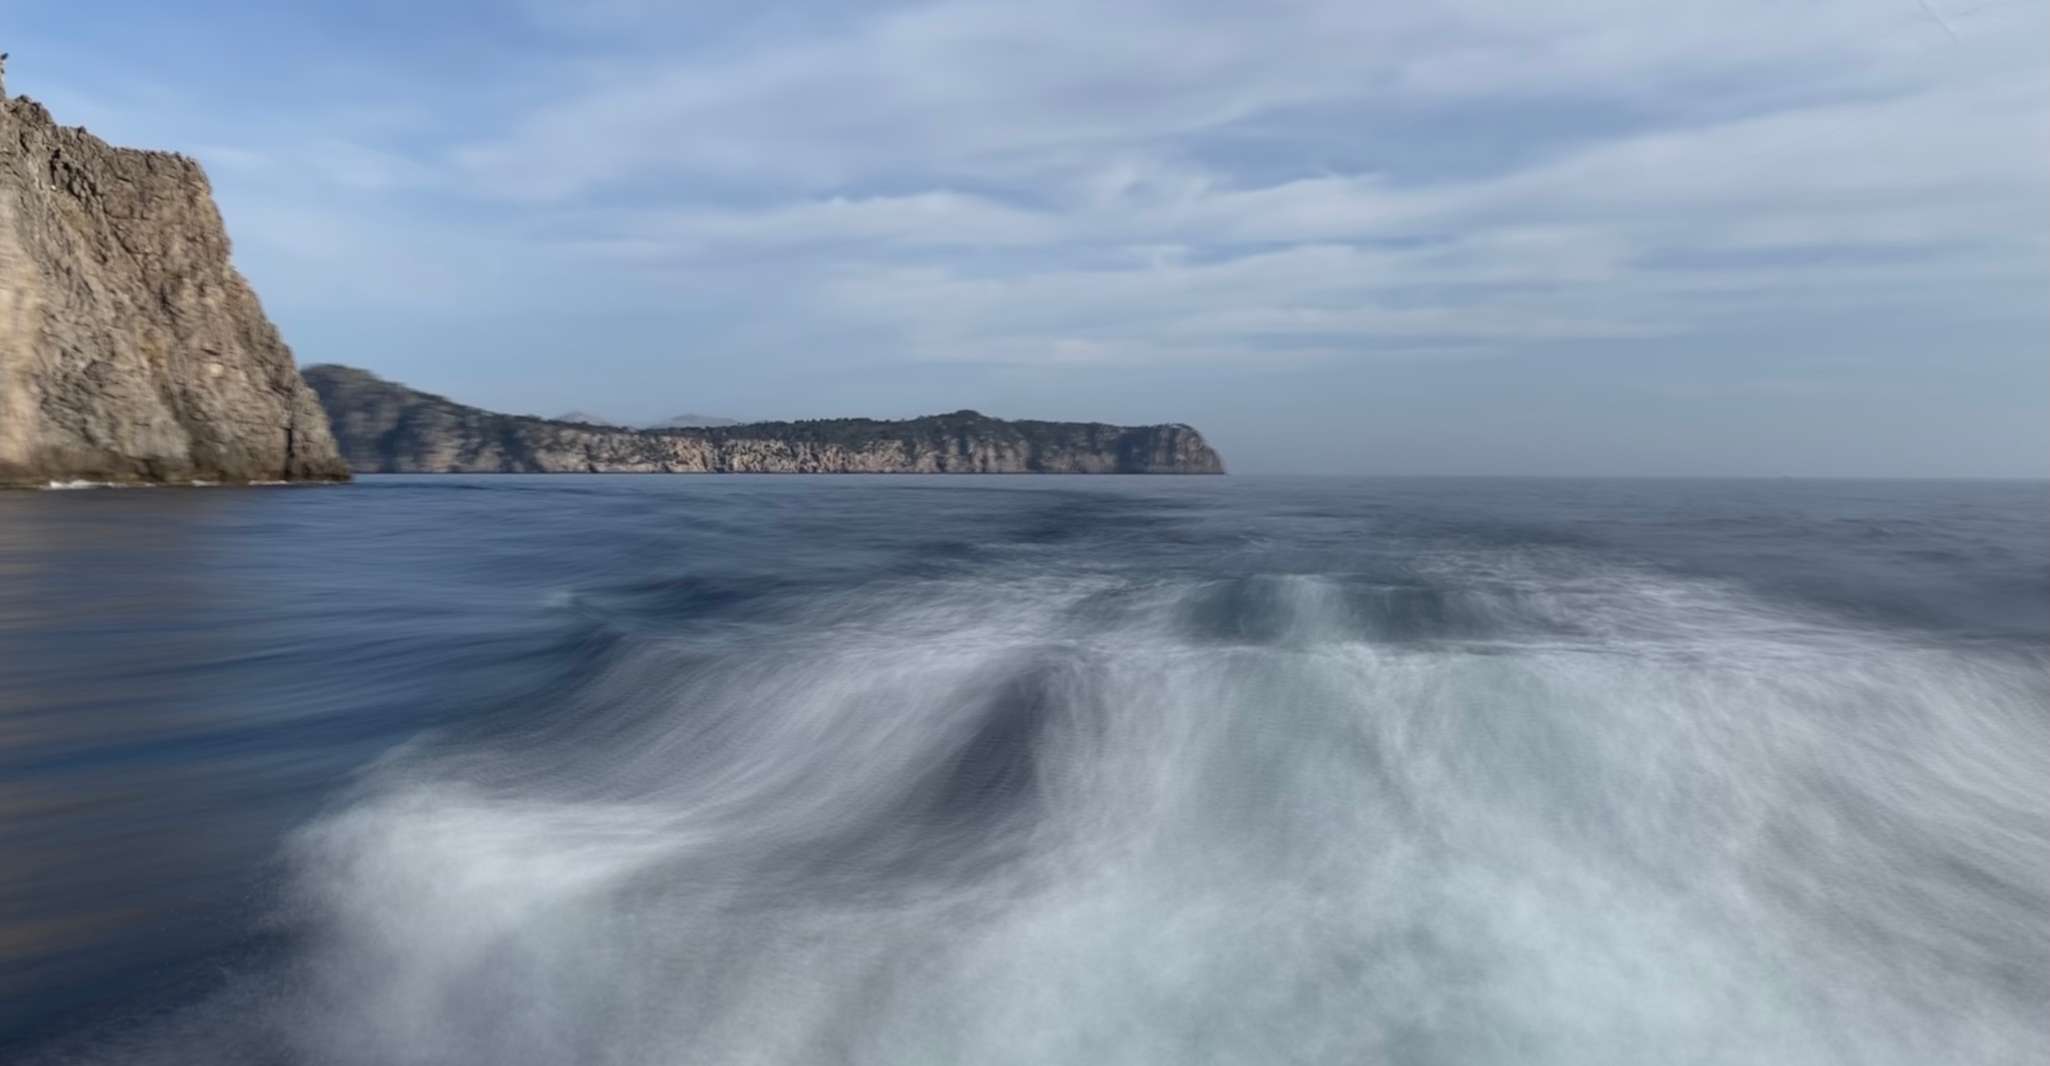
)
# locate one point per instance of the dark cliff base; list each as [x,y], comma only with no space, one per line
[384,427]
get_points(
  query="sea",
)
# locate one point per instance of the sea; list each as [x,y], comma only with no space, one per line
[569,770]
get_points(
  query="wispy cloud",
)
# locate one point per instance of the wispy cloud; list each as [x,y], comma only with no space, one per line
[981,178]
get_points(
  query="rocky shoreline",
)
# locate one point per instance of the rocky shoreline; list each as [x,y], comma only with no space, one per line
[133,353]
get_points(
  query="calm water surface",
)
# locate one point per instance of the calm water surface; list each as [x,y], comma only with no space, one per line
[598,769]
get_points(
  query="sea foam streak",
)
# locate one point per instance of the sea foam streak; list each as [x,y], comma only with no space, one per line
[1521,808]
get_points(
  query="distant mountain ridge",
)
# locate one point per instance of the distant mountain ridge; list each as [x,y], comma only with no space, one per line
[691,421]
[385,427]
[683,421]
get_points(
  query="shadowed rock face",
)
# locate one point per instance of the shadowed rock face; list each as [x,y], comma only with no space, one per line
[130,349]
[385,427]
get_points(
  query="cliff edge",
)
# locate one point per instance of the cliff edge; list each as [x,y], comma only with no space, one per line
[384,427]
[130,349]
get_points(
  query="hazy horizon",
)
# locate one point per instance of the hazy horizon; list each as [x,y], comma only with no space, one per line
[1458,239]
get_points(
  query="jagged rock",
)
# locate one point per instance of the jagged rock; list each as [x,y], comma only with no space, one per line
[384,427]
[130,348]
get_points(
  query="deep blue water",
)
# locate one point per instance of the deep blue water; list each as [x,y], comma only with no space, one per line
[1099,770]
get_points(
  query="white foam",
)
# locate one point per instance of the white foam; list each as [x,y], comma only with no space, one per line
[68,485]
[1692,826]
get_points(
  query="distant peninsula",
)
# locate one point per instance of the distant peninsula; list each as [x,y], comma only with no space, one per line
[383,427]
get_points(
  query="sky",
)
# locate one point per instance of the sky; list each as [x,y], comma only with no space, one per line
[1793,237]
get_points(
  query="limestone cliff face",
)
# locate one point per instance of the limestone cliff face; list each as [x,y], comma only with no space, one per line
[130,349]
[387,428]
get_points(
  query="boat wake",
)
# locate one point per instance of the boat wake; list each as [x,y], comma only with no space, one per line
[1515,806]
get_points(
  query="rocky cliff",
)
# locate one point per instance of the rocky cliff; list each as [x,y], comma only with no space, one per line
[384,427]
[130,349]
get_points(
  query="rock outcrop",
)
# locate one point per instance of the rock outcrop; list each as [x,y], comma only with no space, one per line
[385,427]
[130,349]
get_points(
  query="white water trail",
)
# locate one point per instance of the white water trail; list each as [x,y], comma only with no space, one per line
[1633,818]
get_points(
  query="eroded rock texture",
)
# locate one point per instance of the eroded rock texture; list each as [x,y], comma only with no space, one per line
[130,349]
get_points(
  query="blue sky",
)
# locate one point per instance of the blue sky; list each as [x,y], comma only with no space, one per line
[1607,238]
